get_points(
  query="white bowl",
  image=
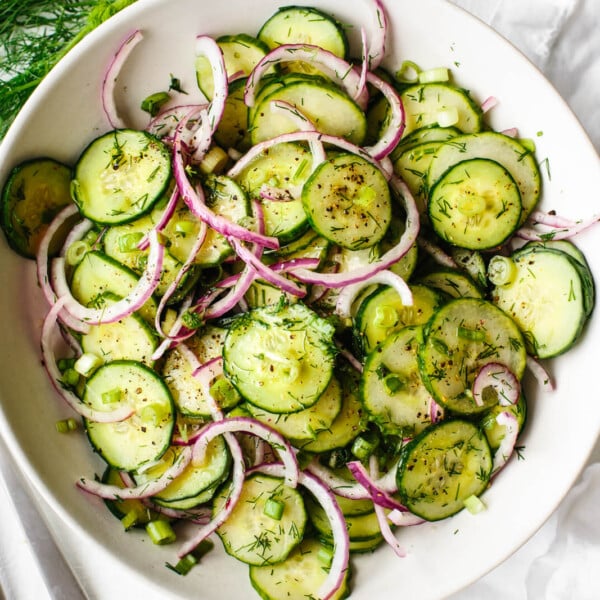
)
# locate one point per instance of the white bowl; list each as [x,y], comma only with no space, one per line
[64,114]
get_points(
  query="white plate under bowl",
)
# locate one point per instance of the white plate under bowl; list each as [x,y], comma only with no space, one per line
[64,114]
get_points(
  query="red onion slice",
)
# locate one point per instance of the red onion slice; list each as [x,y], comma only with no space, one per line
[501,379]
[254,427]
[395,126]
[324,496]
[122,412]
[144,490]
[110,79]
[541,374]
[341,72]
[194,199]
[507,445]
[437,253]
[350,292]
[237,483]
[558,232]
[379,496]
[379,38]
[111,313]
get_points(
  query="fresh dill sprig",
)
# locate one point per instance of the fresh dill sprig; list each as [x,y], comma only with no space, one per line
[34,36]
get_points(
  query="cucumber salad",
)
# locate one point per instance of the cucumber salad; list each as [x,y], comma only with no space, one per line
[294,317]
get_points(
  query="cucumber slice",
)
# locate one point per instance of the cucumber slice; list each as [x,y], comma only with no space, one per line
[476,204]
[189,396]
[454,284]
[513,156]
[423,135]
[280,358]
[123,508]
[392,391]
[442,467]
[346,426]
[284,167]
[120,176]
[460,338]
[347,201]
[196,478]
[382,313]
[328,107]
[253,537]
[33,194]
[305,424]
[131,337]
[232,131]
[494,432]
[424,104]
[304,25]
[97,274]
[550,298]
[412,166]
[298,576]
[145,436]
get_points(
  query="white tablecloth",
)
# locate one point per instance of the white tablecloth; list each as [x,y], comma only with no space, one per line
[562,37]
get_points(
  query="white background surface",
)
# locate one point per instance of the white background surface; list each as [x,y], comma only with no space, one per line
[562,37]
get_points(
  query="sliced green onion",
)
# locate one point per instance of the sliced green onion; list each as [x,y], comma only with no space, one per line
[184,565]
[474,504]
[130,519]
[87,363]
[76,251]
[501,270]
[152,413]
[128,242]
[362,447]
[434,75]
[224,394]
[385,316]
[66,425]
[153,103]
[160,532]
[185,227]
[408,72]
[274,508]
[393,384]
[112,396]
[70,377]
[474,335]
[325,556]
[192,320]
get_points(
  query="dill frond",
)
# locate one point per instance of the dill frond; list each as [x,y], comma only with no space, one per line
[34,36]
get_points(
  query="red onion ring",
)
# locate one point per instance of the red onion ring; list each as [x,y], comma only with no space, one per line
[341,72]
[507,445]
[144,490]
[122,412]
[254,427]
[379,496]
[324,496]
[350,292]
[541,374]
[111,313]
[501,379]
[110,78]
[395,127]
